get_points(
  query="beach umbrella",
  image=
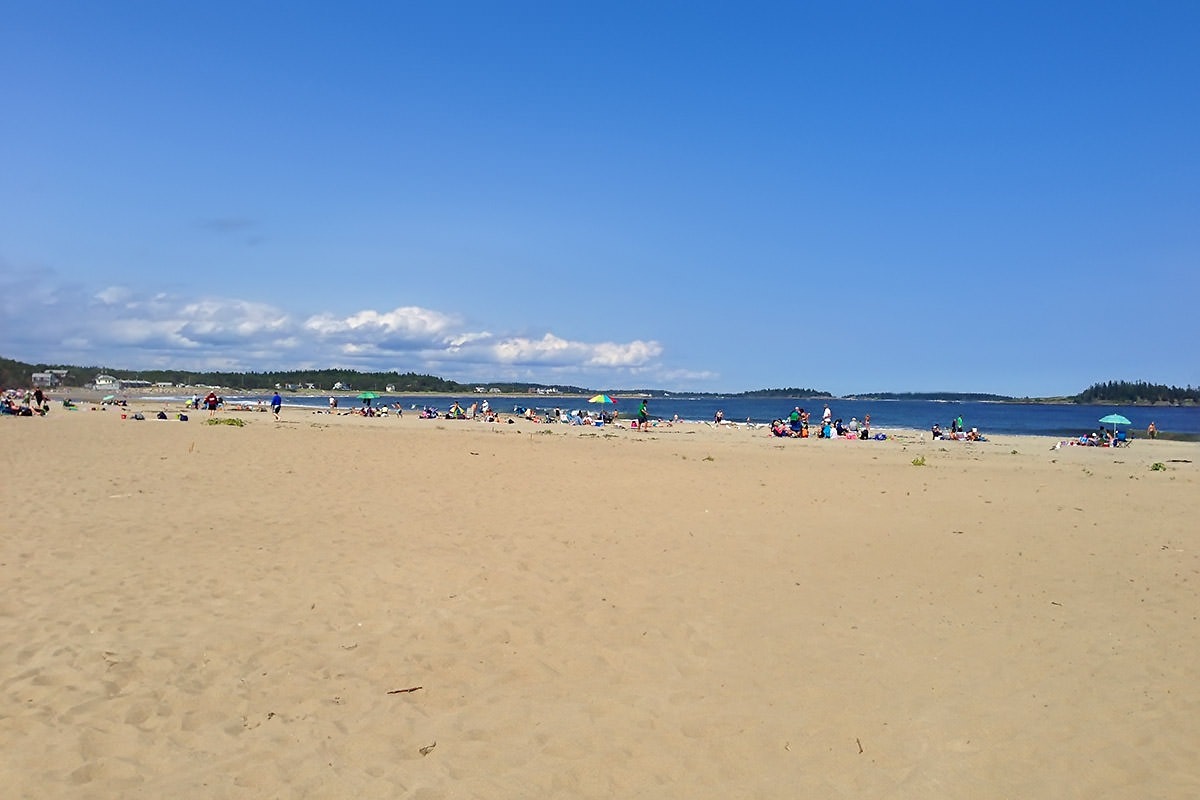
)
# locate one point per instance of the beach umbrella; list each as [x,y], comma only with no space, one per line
[108,397]
[1114,420]
[601,398]
[368,396]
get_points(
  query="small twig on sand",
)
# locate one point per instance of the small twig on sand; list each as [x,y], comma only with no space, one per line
[402,691]
[425,750]
[857,742]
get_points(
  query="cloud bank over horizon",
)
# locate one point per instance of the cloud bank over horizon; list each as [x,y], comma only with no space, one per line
[132,328]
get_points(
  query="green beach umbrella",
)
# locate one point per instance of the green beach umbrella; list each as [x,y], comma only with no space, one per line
[1114,420]
[368,396]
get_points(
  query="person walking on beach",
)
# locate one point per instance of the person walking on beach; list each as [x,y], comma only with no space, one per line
[1152,431]
[643,416]
[210,400]
[276,404]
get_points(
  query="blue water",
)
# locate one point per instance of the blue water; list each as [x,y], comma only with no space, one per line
[1010,418]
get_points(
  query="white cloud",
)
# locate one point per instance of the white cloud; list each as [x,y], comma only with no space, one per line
[113,295]
[633,354]
[409,324]
[126,326]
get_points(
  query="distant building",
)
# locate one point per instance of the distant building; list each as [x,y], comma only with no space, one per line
[45,379]
[390,388]
[340,387]
[107,382]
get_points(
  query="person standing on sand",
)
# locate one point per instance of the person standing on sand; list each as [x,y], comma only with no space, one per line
[276,404]
[210,400]
[643,416]
[1152,431]
[826,415]
[332,405]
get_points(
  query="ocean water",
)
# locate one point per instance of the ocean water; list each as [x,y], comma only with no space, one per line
[1012,418]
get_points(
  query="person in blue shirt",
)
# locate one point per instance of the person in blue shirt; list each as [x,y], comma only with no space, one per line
[276,404]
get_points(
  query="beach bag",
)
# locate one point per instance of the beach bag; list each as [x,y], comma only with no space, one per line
[138,415]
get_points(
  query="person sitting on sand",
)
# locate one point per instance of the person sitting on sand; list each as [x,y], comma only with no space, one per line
[719,417]
[936,431]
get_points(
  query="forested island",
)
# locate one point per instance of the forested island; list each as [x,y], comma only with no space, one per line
[18,374]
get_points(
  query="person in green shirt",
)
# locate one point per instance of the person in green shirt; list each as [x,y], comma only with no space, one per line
[643,417]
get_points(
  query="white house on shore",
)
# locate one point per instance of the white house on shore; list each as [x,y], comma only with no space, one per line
[107,382]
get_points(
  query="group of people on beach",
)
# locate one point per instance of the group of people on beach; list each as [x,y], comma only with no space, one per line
[30,403]
[797,426]
[957,432]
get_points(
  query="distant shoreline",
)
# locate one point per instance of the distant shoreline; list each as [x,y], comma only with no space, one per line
[152,391]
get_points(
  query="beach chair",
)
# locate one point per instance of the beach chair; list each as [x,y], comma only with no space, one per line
[1121,440]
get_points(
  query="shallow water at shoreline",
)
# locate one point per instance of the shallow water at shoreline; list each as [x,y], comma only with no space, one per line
[1025,419]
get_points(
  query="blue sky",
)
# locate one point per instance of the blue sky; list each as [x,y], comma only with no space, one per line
[845,196]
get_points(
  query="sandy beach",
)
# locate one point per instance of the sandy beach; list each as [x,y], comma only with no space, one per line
[336,607]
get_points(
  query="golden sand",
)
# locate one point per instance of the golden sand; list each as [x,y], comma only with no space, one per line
[693,612]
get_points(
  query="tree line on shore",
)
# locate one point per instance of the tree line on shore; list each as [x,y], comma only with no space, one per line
[14,374]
